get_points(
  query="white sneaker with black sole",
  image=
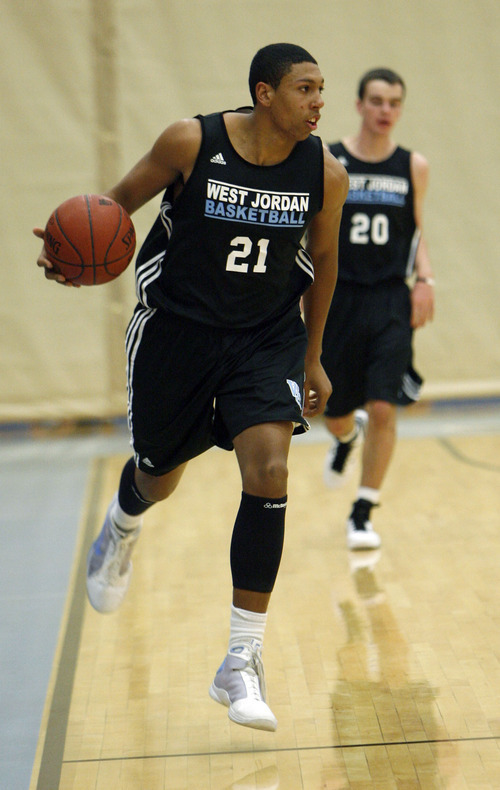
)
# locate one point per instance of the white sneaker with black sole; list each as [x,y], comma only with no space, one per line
[342,457]
[240,685]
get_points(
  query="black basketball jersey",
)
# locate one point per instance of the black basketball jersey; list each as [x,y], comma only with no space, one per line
[378,236]
[227,251]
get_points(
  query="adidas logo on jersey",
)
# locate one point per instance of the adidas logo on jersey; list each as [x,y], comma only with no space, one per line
[218,159]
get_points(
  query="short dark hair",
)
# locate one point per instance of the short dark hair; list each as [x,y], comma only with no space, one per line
[271,63]
[387,75]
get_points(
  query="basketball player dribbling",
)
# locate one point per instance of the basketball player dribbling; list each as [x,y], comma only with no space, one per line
[217,348]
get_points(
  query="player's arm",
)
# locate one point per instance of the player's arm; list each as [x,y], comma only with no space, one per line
[322,245]
[172,157]
[422,296]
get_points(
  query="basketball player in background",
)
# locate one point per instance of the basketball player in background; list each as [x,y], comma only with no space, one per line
[217,349]
[368,336]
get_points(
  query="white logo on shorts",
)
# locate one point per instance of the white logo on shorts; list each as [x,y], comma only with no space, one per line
[295,390]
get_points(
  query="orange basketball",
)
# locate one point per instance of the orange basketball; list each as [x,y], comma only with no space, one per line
[90,239]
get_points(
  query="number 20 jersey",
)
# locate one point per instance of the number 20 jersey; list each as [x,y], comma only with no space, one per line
[378,236]
[227,251]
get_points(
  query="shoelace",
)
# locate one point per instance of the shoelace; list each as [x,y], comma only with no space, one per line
[121,551]
[254,670]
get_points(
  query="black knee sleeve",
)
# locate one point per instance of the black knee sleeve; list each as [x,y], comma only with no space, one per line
[129,498]
[257,543]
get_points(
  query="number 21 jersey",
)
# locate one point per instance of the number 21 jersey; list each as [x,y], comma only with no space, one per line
[227,251]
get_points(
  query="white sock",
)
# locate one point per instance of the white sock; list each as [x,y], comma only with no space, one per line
[122,520]
[370,494]
[246,626]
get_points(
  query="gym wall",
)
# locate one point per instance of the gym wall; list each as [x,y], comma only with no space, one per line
[88,85]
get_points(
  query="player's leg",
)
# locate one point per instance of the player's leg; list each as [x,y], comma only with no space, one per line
[387,362]
[260,405]
[379,444]
[257,544]
[378,448]
[256,549]
[344,345]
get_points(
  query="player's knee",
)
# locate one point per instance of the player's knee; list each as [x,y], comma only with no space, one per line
[382,414]
[155,489]
[340,426]
[267,478]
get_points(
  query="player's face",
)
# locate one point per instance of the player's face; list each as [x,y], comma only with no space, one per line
[381,106]
[297,101]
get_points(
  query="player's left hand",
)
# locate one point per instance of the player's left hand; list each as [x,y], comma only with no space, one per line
[48,266]
[422,304]
[317,389]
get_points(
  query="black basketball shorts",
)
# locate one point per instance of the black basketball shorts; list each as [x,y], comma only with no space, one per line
[367,344]
[192,386]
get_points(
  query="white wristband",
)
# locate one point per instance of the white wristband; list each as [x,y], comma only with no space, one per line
[428,280]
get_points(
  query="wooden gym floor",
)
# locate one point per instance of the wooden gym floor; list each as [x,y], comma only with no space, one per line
[383,668]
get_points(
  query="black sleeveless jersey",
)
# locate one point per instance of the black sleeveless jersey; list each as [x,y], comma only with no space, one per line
[227,251]
[378,236]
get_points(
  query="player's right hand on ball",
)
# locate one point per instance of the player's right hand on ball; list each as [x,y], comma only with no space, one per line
[44,263]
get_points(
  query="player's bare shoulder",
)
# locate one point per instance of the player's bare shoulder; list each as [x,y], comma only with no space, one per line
[419,167]
[418,160]
[187,129]
[179,144]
